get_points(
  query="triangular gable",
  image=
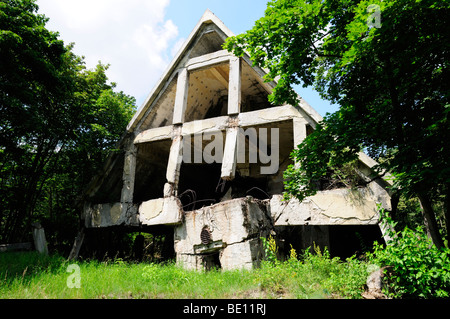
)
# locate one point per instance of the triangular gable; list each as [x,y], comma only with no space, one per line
[204,45]
[200,36]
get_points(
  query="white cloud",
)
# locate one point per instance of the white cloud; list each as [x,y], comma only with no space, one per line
[131,35]
[154,40]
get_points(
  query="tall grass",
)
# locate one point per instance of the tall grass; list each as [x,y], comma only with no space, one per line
[29,275]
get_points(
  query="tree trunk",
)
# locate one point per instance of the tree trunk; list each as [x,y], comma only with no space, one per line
[77,245]
[447,213]
[430,221]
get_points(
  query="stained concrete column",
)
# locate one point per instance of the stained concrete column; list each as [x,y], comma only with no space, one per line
[181,96]
[299,128]
[40,243]
[128,176]
[128,210]
[229,154]
[174,163]
[234,86]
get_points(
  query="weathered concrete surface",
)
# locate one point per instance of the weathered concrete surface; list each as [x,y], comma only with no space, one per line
[155,134]
[40,243]
[235,227]
[332,207]
[265,116]
[103,215]
[161,211]
[110,214]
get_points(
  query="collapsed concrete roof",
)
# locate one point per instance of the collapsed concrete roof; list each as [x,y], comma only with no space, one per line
[207,137]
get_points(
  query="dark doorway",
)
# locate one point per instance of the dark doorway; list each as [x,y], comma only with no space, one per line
[211,260]
[349,240]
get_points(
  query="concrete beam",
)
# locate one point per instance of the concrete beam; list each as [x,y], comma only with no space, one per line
[266,116]
[210,125]
[208,60]
[181,96]
[154,134]
[104,215]
[234,87]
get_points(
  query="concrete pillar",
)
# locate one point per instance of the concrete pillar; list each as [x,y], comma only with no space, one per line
[299,130]
[181,96]
[128,177]
[175,158]
[234,87]
[229,154]
[39,239]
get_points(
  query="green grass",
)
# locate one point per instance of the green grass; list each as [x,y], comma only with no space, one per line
[30,275]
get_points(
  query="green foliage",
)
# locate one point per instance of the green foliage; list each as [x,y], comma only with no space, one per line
[313,275]
[414,266]
[25,265]
[270,249]
[171,275]
[31,275]
[59,121]
[390,79]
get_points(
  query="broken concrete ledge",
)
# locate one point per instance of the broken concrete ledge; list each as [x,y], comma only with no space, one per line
[161,211]
[331,207]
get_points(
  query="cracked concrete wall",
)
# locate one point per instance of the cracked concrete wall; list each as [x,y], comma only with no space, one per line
[235,227]
[110,214]
[332,207]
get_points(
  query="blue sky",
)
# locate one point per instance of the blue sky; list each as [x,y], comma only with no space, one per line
[138,38]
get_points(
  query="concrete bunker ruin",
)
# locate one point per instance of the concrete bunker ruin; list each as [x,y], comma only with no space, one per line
[204,156]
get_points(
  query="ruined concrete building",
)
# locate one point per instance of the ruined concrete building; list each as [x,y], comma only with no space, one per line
[203,159]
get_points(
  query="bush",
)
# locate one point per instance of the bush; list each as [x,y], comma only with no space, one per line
[415,268]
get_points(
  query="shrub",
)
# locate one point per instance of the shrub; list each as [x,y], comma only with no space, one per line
[415,268]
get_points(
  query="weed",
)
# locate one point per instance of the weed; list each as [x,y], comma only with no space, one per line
[305,276]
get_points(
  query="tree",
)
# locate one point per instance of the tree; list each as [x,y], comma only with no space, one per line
[58,121]
[386,63]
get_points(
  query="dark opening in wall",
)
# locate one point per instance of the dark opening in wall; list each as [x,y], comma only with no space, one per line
[200,185]
[342,241]
[254,95]
[242,186]
[301,238]
[348,240]
[263,159]
[151,166]
[211,260]
[110,188]
[158,243]
[148,243]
